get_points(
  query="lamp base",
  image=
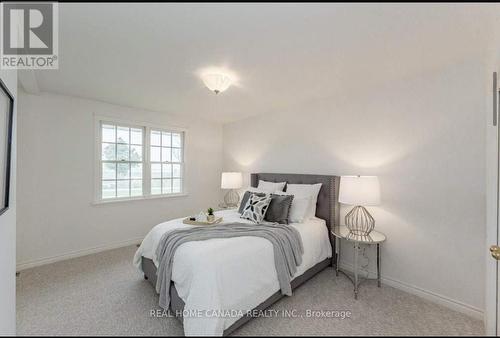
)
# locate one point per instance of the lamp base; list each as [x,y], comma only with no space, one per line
[232,198]
[359,221]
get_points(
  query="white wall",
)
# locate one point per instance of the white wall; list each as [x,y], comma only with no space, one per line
[8,232]
[424,137]
[56,217]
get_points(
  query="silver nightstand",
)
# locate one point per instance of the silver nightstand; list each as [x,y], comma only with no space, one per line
[374,238]
[222,206]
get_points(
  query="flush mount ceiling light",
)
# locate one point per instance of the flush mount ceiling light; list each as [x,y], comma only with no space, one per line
[218,79]
[217,82]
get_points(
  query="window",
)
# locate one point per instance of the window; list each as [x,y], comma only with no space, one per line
[134,166]
[166,162]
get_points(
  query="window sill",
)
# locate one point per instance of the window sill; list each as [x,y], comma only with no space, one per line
[125,200]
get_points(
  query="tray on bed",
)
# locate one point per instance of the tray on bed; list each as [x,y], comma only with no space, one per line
[188,221]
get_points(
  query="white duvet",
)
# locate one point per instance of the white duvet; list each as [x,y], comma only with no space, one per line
[218,279]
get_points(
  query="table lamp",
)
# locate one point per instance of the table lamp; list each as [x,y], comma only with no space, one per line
[359,191]
[231,181]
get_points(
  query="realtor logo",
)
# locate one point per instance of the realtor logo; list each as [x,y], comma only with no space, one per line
[29,35]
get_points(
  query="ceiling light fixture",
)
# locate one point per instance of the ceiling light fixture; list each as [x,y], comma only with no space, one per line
[217,82]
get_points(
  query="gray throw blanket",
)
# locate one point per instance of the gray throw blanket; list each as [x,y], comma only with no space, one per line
[286,241]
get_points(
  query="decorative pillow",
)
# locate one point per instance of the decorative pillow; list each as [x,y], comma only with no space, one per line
[279,209]
[310,191]
[245,198]
[298,209]
[256,208]
[271,187]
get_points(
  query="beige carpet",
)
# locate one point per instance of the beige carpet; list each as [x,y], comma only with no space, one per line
[103,294]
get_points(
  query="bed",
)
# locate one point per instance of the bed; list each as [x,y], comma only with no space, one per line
[237,275]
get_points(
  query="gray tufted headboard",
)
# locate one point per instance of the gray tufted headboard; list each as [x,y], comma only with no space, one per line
[328,206]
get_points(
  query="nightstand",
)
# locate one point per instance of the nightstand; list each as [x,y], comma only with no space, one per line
[222,206]
[374,238]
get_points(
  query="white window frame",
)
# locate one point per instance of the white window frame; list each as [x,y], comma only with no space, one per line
[182,163]
[146,178]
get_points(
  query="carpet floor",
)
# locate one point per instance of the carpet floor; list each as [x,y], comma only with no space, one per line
[103,294]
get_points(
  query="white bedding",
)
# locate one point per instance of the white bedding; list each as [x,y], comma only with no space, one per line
[229,274]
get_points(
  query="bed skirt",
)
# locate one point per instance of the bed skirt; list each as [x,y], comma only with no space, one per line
[177,304]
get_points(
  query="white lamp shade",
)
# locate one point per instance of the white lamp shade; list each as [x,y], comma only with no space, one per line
[231,180]
[216,82]
[359,190]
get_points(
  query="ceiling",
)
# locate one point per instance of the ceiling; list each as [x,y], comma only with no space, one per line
[148,55]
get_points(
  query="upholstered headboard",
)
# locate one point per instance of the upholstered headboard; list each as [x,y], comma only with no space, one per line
[327,207]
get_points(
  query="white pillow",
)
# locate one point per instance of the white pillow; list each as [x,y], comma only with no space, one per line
[270,186]
[253,189]
[309,191]
[298,209]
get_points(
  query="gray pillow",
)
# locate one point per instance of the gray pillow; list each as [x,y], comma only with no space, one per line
[256,208]
[245,198]
[279,209]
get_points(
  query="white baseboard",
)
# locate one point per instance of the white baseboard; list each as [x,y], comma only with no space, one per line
[75,254]
[428,295]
